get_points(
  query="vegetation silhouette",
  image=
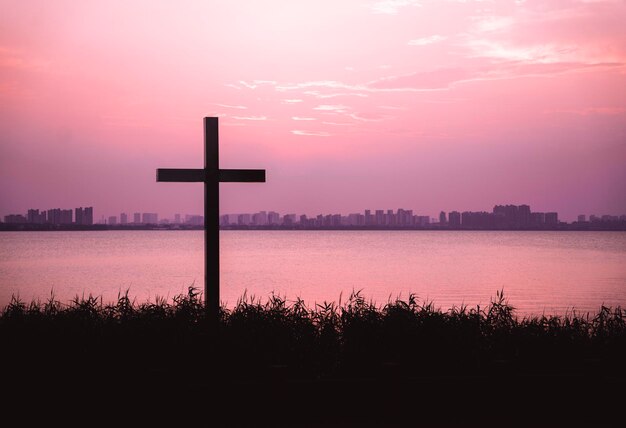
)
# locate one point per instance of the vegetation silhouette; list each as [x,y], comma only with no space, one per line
[323,356]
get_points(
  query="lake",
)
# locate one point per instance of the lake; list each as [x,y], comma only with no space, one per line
[549,272]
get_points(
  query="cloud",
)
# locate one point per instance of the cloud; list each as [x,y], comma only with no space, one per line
[230,106]
[318,94]
[391,7]
[293,101]
[256,83]
[331,108]
[426,40]
[429,80]
[316,84]
[488,24]
[249,117]
[303,118]
[368,117]
[311,133]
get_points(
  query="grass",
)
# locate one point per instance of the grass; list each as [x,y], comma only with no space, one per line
[357,338]
[354,363]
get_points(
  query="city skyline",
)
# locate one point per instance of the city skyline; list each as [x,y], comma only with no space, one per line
[508,215]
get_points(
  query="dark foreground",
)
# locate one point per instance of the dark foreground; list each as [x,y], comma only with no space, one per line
[279,364]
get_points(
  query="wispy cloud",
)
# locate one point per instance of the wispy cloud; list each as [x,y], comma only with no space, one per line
[256,83]
[302,118]
[426,40]
[332,108]
[320,95]
[294,101]
[249,117]
[311,133]
[391,7]
[231,106]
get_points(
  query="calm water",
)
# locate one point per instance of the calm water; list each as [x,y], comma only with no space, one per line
[539,271]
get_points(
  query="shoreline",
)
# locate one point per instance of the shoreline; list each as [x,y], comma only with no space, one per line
[76,228]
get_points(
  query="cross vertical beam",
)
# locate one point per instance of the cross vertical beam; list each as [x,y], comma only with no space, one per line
[211,175]
[211,218]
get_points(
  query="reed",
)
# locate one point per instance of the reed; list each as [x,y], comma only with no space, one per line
[259,338]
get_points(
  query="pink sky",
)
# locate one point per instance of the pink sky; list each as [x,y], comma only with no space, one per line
[349,105]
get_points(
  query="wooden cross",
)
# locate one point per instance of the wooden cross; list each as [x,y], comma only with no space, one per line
[211,175]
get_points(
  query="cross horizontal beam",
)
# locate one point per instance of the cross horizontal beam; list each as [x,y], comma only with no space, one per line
[181,175]
[200,175]
[242,175]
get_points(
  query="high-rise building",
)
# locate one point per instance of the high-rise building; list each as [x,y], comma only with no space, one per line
[582,218]
[537,219]
[88,215]
[454,219]
[523,215]
[243,219]
[194,220]
[273,217]
[552,219]
[442,218]
[15,219]
[380,218]
[369,220]
[112,220]
[54,216]
[150,218]
[177,218]
[79,215]
[259,219]
[137,218]
[66,216]
[123,218]
[289,219]
[35,217]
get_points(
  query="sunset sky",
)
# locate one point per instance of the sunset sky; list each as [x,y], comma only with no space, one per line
[348,105]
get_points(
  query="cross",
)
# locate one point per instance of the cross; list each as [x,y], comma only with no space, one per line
[211,175]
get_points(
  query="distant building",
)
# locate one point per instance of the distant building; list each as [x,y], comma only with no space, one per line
[35,217]
[150,218]
[537,219]
[66,216]
[15,219]
[552,219]
[355,219]
[88,216]
[289,219]
[137,218]
[454,219]
[194,220]
[582,218]
[177,218]
[79,216]
[523,216]
[123,218]
[259,219]
[54,216]
[442,218]
[243,219]
[112,220]
[380,218]
[369,219]
[273,217]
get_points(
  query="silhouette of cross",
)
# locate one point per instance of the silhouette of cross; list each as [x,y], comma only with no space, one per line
[211,175]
